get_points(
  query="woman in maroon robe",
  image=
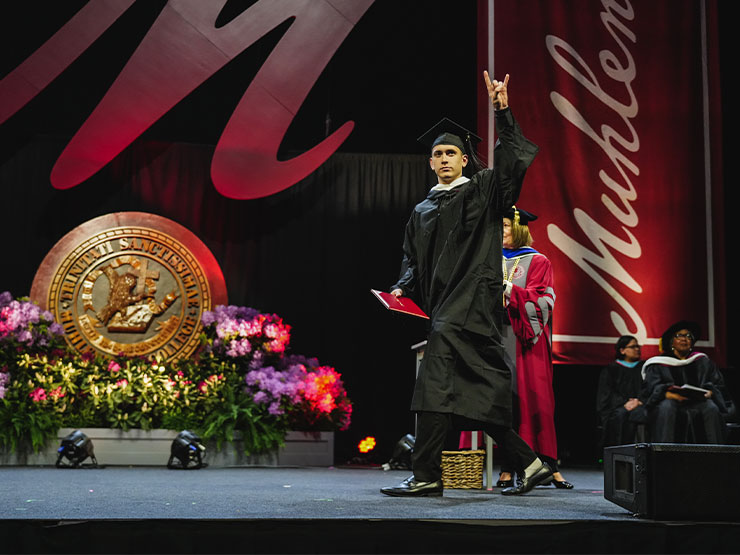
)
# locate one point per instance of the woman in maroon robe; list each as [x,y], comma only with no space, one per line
[529,297]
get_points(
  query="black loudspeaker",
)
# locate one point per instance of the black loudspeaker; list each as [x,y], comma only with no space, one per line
[674,481]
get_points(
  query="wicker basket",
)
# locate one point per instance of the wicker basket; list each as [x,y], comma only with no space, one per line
[463,469]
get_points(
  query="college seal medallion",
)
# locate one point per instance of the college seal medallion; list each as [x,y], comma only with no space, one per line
[130,283]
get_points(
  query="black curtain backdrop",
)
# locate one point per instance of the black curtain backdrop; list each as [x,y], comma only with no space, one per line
[310,254]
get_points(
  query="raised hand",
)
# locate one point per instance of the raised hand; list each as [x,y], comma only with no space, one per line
[497,91]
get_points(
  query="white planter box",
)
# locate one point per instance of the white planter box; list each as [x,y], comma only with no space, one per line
[152,448]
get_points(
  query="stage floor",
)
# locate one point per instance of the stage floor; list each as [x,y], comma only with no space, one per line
[319,510]
[296,493]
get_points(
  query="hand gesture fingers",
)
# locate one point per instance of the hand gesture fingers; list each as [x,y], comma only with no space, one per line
[497,91]
[487,80]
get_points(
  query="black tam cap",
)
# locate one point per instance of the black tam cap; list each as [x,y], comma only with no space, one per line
[665,340]
[524,216]
[447,132]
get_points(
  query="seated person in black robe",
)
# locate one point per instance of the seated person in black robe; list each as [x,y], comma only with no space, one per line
[676,417]
[620,398]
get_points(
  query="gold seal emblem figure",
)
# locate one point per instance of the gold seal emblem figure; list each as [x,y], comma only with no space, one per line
[130,289]
[130,305]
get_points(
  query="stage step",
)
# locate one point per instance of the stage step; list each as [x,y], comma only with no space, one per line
[152,448]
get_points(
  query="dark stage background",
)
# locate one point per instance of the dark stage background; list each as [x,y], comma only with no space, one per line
[312,252]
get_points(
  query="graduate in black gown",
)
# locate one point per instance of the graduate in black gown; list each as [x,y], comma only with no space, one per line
[452,269]
[676,417]
[621,395]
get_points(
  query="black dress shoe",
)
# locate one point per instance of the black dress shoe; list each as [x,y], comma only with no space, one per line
[411,487]
[529,482]
[505,483]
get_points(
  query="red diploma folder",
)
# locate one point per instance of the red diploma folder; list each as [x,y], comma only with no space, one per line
[399,304]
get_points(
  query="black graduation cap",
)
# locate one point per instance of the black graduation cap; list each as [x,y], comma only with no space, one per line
[447,132]
[665,340]
[524,216]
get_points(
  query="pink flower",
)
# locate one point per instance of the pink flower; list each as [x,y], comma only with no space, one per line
[38,394]
[122,383]
[57,393]
[113,366]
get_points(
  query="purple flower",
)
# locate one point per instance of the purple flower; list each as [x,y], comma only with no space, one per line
[256,361]
[261,397]
[25,322]
[26,337]
[292,360]
[239,348]
[269,383]
[208,318]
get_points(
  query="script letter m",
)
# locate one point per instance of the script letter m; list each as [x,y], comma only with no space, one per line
[181,50]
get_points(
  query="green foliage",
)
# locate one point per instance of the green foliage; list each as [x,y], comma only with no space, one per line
[29,417]
[45,385]
[207,396]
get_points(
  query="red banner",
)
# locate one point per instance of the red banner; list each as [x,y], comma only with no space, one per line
[623,99]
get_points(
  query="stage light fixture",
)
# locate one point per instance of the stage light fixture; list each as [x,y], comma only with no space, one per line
[187,452]
[76,448]
[401,458]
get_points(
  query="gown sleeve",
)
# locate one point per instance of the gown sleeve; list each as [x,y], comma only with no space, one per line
[530,307]
[714,381]
[512,154]
[607,398]
[409,264]
[658,379]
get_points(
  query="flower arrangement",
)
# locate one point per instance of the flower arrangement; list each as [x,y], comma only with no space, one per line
[239,332]
[24,327]
[310,396]
[290,390]
[29,413]
[240,383]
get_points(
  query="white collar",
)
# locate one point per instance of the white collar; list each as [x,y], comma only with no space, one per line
[447,186]
[671,361]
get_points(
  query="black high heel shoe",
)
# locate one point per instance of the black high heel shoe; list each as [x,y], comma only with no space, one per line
[562,484]
[504,483]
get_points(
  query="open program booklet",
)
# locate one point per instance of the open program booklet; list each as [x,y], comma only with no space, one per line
[689,391]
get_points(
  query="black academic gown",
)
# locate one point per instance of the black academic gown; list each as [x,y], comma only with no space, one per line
[617,385]
[452,268]
[663,371]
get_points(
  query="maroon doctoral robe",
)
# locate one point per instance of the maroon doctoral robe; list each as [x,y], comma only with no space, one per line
[528,342]
[530,313]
